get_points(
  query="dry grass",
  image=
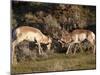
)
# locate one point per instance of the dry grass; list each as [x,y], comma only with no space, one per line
[57,62]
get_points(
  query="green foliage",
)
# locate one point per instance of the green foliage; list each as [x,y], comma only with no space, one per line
[54,15]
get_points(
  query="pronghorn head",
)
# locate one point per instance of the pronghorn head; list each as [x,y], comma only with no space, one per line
[50,39]
[66,38]
[46,40]
[49,42]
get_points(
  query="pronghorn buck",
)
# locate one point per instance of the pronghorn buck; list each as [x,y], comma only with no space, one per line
[30,34]
[77,36]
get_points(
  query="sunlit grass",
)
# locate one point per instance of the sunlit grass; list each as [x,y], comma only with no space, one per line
[57,62]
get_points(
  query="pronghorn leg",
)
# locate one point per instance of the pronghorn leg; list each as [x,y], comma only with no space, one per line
[93,46]
[14,59]
[80,46]
[75,51]
[40,49]
[49,46]
[94,49]
[69,48]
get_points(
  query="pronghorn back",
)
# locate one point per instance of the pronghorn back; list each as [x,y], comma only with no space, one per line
[25,29]
[28,33]
[83,34]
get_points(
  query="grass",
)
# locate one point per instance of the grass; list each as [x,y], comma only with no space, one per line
[57,62]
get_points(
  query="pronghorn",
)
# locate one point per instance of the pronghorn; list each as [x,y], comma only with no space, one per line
[30,34]
[77,36]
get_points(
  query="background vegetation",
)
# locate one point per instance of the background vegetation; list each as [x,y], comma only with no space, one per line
[52,17]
